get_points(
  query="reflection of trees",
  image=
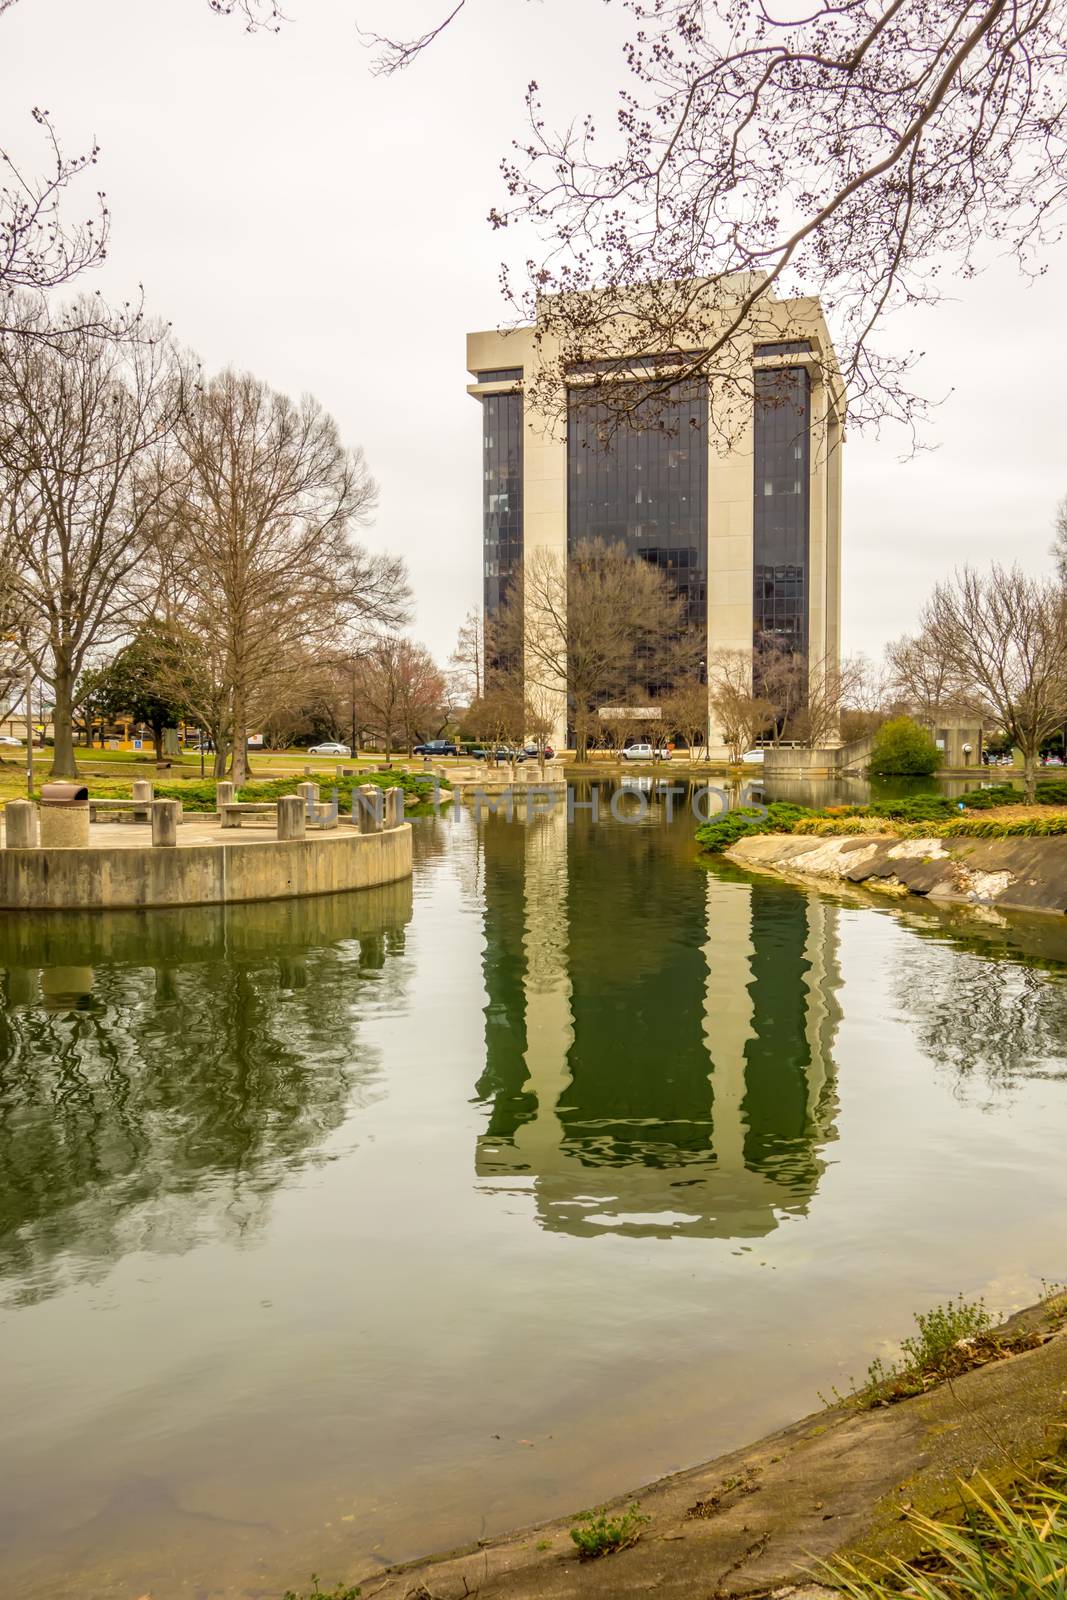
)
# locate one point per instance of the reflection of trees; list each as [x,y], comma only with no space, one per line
[658,1042]
[980,1006]
[167,1075]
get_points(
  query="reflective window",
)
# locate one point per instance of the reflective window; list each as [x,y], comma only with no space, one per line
[645,486]
[788,347]
[781,502]
[501,495]
[500,375]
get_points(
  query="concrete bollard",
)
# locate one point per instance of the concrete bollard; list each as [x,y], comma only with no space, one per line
[64,816]
[142,789]
[224,793]
[308,791]
[165,822]
[20,825]
[394,807]
[367,808]
[292,817]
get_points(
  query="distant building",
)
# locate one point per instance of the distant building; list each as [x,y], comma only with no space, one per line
[751,534]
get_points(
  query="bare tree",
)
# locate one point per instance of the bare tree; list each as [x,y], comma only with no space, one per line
[869,152]
[262,566]
[468,658]
[742,716]
[1059,543]
[685,708]
[807,692]
[422,693]
[595,625]
[1004,638]
[84,442]
[923,675]
[400,690]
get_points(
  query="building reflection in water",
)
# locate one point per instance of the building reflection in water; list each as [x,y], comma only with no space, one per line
[659,1046]
[161,1072]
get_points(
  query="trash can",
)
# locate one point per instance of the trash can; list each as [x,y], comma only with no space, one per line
[64,816]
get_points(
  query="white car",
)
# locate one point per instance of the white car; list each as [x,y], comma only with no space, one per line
[9,739]
[751,758]
[329,750]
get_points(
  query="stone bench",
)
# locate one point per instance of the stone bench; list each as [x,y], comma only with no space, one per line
[122,810]
[231,812]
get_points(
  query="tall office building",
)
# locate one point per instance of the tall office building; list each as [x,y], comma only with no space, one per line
[746,518]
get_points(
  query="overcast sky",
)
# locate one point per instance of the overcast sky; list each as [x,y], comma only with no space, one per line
[291,214]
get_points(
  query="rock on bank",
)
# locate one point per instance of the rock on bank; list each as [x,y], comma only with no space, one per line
[1014,874]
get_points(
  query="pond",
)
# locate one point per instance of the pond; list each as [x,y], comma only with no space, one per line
[335,1232]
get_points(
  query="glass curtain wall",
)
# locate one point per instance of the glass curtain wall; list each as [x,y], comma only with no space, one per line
[502,496]
[645,486]
[781,506]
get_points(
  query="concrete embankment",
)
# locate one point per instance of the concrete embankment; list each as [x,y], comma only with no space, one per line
[761,1519]
[1012,874]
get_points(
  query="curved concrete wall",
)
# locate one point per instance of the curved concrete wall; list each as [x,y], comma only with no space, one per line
[103,879]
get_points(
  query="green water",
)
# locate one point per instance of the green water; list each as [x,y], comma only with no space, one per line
[337,1232]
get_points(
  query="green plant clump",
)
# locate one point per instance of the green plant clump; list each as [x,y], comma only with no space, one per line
[342,1591]
[597,1534]
[925,1356]
[1009,1546]
[901,747]
[721,832]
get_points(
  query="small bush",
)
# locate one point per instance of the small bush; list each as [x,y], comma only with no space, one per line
[998,794]
[902,747]
[597,1534]
[721,832]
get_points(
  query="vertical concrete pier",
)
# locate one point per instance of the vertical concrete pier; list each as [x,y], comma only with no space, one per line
[165,814]
[292,817]
[368,808]
[20,825]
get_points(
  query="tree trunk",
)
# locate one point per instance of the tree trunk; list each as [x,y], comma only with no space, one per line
[157,739]
[1030,776]
[63,762]
[239,758]
[219,765]
[581,737]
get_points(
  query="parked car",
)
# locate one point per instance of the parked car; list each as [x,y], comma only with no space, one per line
[329,750]
[9,739]
[436,747]
[530,752]
[639,752]
[751,758]
[501,753]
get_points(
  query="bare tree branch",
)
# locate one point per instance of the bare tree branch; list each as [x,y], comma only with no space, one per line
[868,152]
[396,54]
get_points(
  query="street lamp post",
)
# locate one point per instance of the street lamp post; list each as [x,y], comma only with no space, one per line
[29,730]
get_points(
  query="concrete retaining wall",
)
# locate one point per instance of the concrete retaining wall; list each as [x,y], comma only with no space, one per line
[103,879]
